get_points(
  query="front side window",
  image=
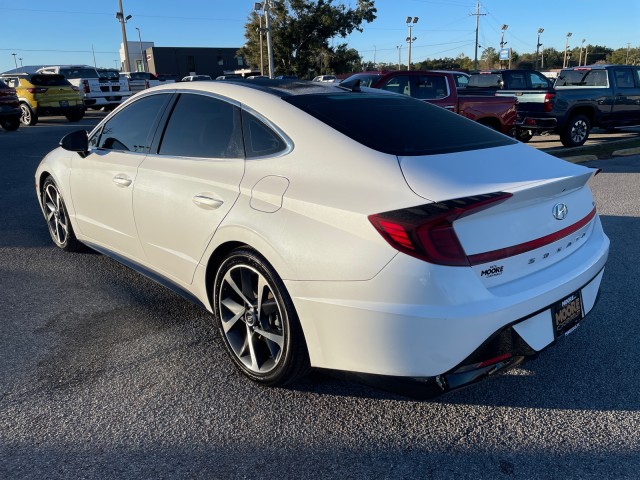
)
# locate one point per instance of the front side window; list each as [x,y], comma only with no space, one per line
[397,85]
[204,127]
[130,129]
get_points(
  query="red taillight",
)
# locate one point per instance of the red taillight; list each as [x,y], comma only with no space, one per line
[426,232]
[548,105]
[86,88]
[36,90]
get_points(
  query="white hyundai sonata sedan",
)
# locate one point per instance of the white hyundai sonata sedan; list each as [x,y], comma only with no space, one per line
[334,227]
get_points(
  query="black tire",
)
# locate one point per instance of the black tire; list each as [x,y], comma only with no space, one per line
[260,329]
[75,116]
[523,135]
[55,213]
[29,117]
[576,131]
[10,124]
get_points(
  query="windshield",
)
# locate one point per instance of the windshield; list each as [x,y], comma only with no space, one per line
[398,124]
[582,78]
[79,72]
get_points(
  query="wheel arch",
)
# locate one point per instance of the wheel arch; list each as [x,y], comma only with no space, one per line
[585,110]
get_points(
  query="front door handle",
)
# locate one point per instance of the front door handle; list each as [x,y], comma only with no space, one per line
[207,201]
[122,180]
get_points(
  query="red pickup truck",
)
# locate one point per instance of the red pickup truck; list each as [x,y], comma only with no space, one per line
[439,88]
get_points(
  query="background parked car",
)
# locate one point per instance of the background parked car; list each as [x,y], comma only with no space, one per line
[9,107]
[325,78]
[46,94]
[196,78]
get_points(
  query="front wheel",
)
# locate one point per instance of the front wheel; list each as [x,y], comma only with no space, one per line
[576,131]
[55,213]
[257,320]
[29,117]
[75,116]
[10,124]
[523,135]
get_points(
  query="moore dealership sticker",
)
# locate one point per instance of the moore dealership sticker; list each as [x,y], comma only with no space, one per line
[566,313]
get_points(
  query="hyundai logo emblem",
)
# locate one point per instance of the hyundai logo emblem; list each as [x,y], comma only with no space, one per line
[560,211]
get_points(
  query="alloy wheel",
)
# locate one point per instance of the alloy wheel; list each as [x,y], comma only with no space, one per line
[251,318]
[55,214]
[579,131]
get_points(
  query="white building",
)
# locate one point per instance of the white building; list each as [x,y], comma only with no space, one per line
[137,56]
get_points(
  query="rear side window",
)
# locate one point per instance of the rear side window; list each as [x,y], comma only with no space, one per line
[130,129]
[204,127]
[624,77]
[259,139]
[538,81]
[398,125]
[430,87]
[582,78]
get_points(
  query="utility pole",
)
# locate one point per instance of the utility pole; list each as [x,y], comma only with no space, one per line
[628,47]
[503,28]
[266,6]
[586,53]
[477,15]
[410,23]
[123,20]
[257,6]
[374,57]
[581,45]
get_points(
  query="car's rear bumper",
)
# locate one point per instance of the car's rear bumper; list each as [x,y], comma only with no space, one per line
[536,123]
[418,320]
[57,110]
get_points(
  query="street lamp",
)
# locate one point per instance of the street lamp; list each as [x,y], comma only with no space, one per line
[580,61]
[257,6]
[538,45]
[15,61]
[142,58]
[503,28]
[566,49]
[123,20]
[410,23]
[399,47]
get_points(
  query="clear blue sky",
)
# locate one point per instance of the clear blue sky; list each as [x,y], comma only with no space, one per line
[54,32]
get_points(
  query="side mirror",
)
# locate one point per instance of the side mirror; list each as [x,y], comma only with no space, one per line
[77,141]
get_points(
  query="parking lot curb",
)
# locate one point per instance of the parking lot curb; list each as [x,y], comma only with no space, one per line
[626,151]
[580,158]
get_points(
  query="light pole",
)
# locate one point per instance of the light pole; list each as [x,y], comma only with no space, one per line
[15,61]
[410,23]
[142,58]
[503,28]
[21,66]
[581,46]
[538,45]
[541,57]
[258,9]
[628,47]
[123,20]
[566,49]
[399,47]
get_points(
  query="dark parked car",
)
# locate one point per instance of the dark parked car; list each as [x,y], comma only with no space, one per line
[9,108]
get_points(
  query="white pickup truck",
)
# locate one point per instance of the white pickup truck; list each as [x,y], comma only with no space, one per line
[99,91]
[139,81]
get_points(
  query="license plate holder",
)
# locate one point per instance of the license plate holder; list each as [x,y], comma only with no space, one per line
[566,314]
[64,103]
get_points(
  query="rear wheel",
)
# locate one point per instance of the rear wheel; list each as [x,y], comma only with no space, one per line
[29,117]
[55,212]
[10,124]
[576,131]
[257,320]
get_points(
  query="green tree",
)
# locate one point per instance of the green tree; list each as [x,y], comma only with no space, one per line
[301,32]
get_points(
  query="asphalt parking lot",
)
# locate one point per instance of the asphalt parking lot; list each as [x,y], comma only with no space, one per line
[104,374]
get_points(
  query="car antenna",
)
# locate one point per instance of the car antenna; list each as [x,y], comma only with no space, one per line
[351,85]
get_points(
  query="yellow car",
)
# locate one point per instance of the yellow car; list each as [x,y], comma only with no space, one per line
[45,94]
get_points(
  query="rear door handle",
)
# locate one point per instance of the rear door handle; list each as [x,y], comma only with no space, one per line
[122,180]
[207,201]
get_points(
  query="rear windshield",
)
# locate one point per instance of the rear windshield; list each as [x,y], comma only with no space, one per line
[582,78]
[486,80]
[398,124]
[49,80]
[79,72]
